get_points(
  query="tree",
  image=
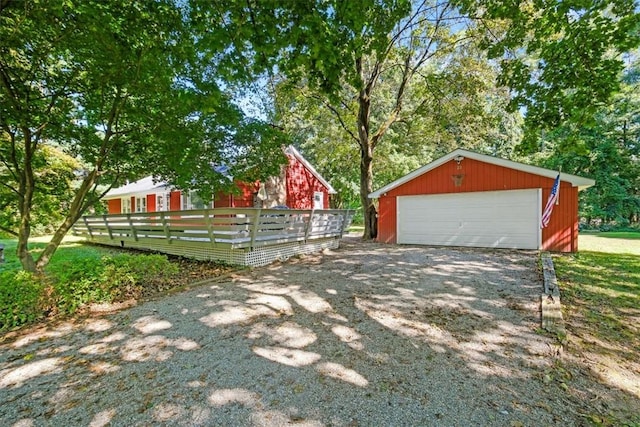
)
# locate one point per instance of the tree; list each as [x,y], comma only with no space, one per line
[343,50]
[56,173]
[119,86]
[608,151]
[455,103]
[562,59]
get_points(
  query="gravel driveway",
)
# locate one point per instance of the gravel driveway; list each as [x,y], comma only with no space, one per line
[366,335]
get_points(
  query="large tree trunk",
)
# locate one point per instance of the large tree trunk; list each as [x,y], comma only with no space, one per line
[366,160]
[366,187]
[26,189]
[77,208]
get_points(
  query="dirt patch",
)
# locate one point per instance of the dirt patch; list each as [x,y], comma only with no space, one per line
[369,334]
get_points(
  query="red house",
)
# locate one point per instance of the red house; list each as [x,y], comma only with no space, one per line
[299,186]
[470,199]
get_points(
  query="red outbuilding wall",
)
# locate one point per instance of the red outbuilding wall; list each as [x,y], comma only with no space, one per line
[301,184]
[560,235]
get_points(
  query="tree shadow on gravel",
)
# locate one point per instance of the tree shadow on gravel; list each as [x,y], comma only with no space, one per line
[366,335]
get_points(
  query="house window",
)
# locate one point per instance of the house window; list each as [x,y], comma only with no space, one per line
[141,204]
[126,205]
[163,202]
[194,201]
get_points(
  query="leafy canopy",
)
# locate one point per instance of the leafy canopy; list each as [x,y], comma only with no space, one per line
[562,59]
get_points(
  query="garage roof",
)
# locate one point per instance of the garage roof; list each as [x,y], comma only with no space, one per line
[576,181]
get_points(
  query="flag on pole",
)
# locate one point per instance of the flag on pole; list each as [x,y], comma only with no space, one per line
[551,202]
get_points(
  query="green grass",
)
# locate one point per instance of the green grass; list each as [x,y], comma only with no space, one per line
[614,242]
[356,229]
[600,289]
[70,249]
[601,284]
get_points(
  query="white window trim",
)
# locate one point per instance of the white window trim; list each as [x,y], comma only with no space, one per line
[141,204]
[166,196]
[125,205]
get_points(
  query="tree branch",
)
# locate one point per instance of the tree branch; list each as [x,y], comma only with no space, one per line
[339,117]
[8,231]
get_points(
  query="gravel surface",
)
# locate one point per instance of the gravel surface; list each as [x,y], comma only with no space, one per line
[366,335]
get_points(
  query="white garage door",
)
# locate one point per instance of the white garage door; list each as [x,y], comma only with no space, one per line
[492,219]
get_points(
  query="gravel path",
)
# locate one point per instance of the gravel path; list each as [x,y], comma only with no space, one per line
[365,335]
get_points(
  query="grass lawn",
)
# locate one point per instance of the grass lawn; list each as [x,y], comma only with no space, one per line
[600,289]
[614,242]
[69,250]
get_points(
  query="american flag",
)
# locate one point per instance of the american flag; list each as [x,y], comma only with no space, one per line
[551,201]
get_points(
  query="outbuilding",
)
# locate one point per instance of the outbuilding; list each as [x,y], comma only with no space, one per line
[470,199]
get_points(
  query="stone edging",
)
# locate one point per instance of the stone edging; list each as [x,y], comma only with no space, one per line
[552,320]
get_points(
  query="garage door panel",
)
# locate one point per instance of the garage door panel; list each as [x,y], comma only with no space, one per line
[501,219]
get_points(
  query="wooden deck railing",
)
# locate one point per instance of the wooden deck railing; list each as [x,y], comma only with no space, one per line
[234,228]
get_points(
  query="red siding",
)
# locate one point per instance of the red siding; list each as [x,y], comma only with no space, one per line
[301,184]
[561,234]
[222,200]
[243,199]
[114,206]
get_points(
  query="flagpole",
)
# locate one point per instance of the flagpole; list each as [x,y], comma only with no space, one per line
[558,196]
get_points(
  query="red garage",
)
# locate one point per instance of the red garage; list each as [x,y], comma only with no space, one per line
[471,199]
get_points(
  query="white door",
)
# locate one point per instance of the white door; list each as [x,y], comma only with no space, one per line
[318,200]
[492,219]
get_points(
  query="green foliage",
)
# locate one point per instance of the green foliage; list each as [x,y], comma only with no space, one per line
[82,277]
[315,40]
[22,299]
[454,103]
[607,151]
[562,59]
[124,87]
[111,278]
[55,171]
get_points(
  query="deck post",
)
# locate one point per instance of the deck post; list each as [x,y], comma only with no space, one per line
[308,228]
[345,215]
[167,232]
[106,224]
[133,229]
[209,226]
[86,223]
[254,229]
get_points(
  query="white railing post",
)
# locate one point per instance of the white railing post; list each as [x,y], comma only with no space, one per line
[106,224]
[133,229]
[209,227]
[86,223]
[165,226]
[309,225]
[254,230]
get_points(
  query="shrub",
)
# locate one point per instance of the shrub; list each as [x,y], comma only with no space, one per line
[21,299]
[25,298]
[124,275]
[108,279]
[77,283]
